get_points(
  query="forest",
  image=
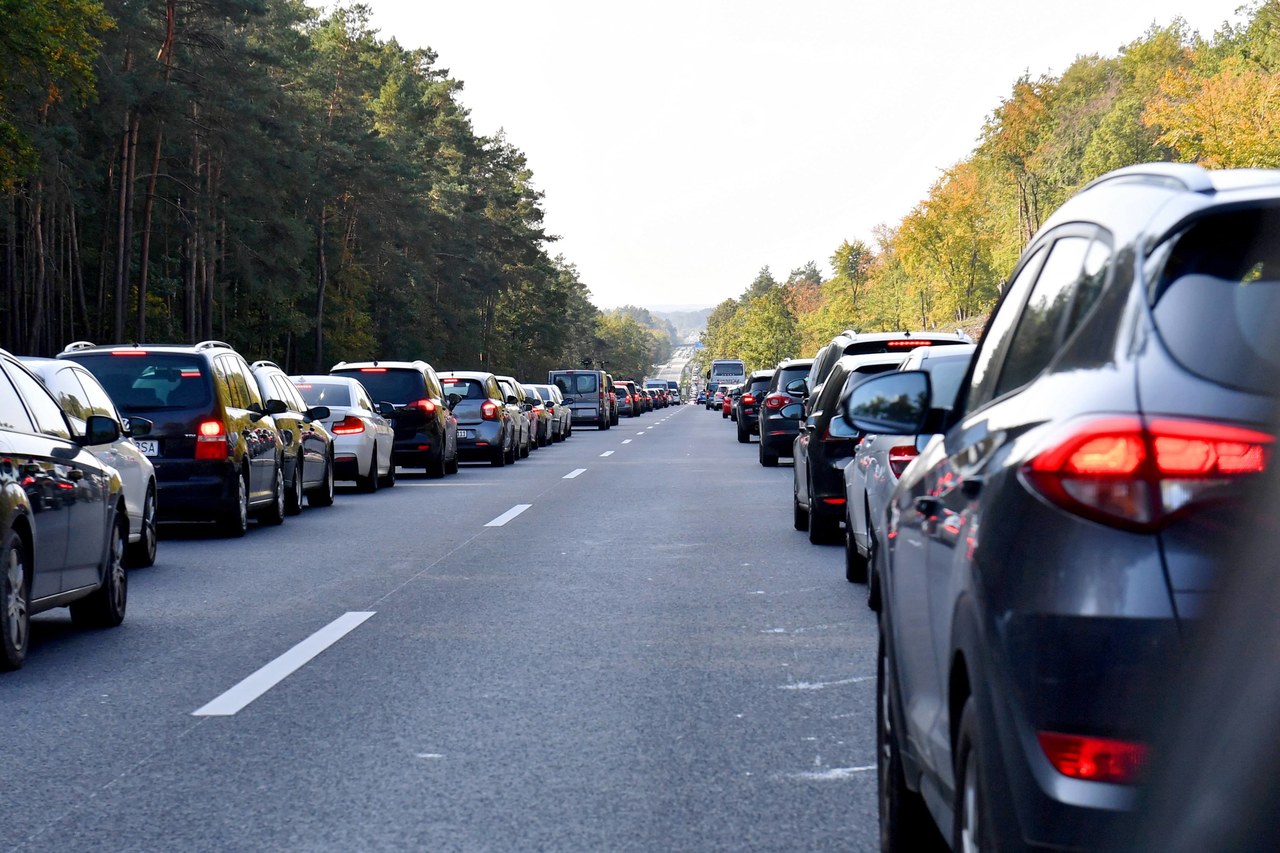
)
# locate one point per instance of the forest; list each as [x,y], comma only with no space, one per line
[1170,95]
[258,172]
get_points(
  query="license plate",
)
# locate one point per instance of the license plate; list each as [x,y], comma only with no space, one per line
[148,446]
[466,433]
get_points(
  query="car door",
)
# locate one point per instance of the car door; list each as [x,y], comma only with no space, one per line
[315,439]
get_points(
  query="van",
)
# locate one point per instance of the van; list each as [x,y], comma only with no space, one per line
[587,393]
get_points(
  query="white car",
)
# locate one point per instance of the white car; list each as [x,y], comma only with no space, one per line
[562,420]
[362,437]
[81,395]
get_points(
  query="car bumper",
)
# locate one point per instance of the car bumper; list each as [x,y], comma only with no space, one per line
[187,490]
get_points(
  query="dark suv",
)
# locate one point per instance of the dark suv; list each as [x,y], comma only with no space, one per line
[777,431]
[850,342]
[426,430]
[1054,546]
[216,449]
[749,403]
[308,446]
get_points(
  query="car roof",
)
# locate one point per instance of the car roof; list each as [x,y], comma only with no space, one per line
[85,347]
[464,374]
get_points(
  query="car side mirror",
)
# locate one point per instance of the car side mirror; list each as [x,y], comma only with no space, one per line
[318,413]
[453,400]
[792,411]
[139,427]
[797,386]
[275,407]
[387,410]
[511,398]
[100,429]
[890,404]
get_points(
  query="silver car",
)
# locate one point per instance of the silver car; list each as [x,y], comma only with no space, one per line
[362,437]
[81,395]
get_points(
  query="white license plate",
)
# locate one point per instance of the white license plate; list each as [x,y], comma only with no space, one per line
[466,433]
[148,446]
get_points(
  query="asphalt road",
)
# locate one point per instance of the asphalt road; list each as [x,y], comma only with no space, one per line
[647,657]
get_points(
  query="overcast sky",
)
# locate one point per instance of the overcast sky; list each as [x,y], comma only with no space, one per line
[681,146]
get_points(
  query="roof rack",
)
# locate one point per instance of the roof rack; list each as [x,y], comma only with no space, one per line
[264,363]
[213,345]
[1186,176]
[78,345]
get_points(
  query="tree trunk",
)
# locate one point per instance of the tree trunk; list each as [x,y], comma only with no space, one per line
[321,283]
[145,262]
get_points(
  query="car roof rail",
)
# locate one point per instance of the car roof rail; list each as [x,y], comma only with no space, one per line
[1186,176]
[265,363]
[213,345]
[75,346]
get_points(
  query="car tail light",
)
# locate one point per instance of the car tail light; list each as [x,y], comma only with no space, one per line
[428,407]
[747,399]
[489,410]
[834,501]
[373,370]
[900,457]
[776,401]
[1121,472]
[350,425]
[211,441]
[1094,759]
[128,352]
[909,344]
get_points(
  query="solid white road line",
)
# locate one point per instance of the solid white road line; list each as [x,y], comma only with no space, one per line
[508,515]
[607,453]
[235,699]
[575,472]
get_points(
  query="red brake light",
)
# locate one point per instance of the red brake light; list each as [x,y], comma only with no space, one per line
[911,344]
[128,352]
[900,457]
[747,399]
[189,374]
[776,401]
[428,407]
[1094,759]
[489,410]
[1121,472]
[350,425]
[211,441]
[373,370]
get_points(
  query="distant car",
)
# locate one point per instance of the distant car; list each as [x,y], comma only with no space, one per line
[426,430]
[362,437]
[749,403]
[826,444]
[63,521]
[629,404]
[562,414]
[540,414]
[308,446]
[778,430]
[487,425]
[80,396]
[217,452]
[879,460]
[518,406]
[701,398]
[727,409]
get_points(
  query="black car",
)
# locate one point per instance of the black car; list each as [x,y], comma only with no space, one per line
[308,446]
[216,449]
[850,342]
[1053,548]
[747,406]
[825,445]
[426,430]
[777,426]
[63,522]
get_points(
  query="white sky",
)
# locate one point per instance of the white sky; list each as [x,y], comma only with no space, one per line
[684,145]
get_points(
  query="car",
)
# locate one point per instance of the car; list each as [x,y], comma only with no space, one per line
[879,460]
[539,414]
[362,438]
[825,445]
[308,446]
[778,432]
[850,342]
[1057,543]
[521,412]
[629,405]
[749,403]
[562,415]
[217,453]
[701,398]
[587,394]
[612,396]
[63,519]
[426,430]
[488,430]
[81,395]
[727,407]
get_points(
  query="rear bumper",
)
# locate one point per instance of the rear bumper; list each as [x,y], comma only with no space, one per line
[187,490]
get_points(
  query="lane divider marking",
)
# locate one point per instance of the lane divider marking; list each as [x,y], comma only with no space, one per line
[607,453]
[508,515]
[235,699]
[574,473]
[627,440]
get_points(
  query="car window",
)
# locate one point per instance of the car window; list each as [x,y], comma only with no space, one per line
[1097,263]
[985,367]
[145,381]
[1039,331]
[44,409]
[467,389]
[99,402]
[235,383]
[70,394]
[13,415]
[325,393]
[392,385]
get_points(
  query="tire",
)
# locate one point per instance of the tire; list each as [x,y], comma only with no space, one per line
[450,465]
[799,515]
[767,459]
[324,494]
[855,565]
[140,554]
[15,602]
[513,454]
[744,434]
[436,467]
[293,497]
[613,419]
[605,424]
[905,822]
[972,827]
[823,530]
[235,523]
[275,511]
[368,483]
[105,606]
[389,479]
[499,459]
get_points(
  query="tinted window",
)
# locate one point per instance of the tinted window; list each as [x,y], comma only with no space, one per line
[143,383]
[1097,263]
[1217,299]
[325,393]
[99,402]
[786,375]
[44,410]
[69,393]
[13,415]
[534,396]
[578,383]
[984,375]
[945,376]
[390,384]
[467,389]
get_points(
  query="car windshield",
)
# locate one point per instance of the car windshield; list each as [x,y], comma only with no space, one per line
[389,384]
[324,393]
[577,383]
[141,381]
[467,389]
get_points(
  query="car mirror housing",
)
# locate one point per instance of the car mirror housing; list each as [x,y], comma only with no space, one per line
[386,409]
[796,386]
[139,427]
[318,413]
[889,404]
[275,407]
[100,429]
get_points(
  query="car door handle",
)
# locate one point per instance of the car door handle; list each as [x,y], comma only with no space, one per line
[928,505]
[971,487]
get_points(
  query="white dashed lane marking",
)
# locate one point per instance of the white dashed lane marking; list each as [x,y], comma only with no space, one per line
[574,473]
[508,515]
[607,453]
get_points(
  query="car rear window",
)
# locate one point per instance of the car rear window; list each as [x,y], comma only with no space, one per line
[903,344]
[146,382]
[325,393]
[467,389]
[787,375]
[578,383]
[945,376]
[1217,297]
[390,384]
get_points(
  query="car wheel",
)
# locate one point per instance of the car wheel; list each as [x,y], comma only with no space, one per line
[524,448]
[799,515]
[767,459]
[15,615]
[389,479]
[972,831]
[451,466]
[744,434]
[436,466]
[512,454]
[323,496]
[905,823]
[236,521]
[855,565]
[368,483]
[604,424]
[822,528]
[142,553]
[499,457]
[293,502]
[105,606]
[275,511]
